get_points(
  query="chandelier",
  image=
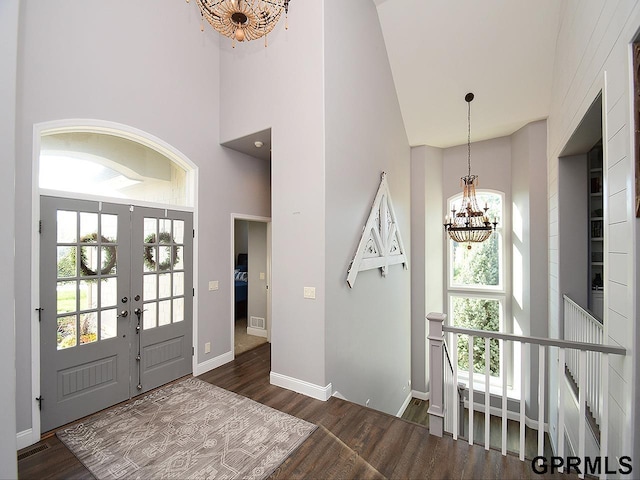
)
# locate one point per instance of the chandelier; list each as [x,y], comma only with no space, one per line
[243,19]
[468,223]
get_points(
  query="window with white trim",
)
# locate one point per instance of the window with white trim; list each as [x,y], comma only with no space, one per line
[476,288]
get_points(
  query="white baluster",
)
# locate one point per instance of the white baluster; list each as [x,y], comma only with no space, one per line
[604,424]
[582,400]
[487,399]
[455,400]
[561,385]
[505,366]
[522,398]
[470,390]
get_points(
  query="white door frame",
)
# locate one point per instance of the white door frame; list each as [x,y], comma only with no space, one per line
[32,435]
[250,218]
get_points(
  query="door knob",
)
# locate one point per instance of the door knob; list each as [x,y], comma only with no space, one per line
[124,313]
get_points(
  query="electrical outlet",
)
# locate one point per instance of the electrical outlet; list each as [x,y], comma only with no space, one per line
[213,285]
[207,347]
[261,275]
[310,292]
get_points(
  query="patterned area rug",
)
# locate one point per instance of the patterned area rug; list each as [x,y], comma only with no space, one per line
[190,429]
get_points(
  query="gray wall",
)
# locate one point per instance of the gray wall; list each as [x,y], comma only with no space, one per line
[529,242]
[257,297]
[8,67]
[241,238]
[427,254]
[573,228]
[368,327]
[282,87]
[154,70]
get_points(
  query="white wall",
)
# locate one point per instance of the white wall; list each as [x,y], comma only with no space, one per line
[428,242]
[282,87]
[9,13]
[152,69]
[593,43]
[368,327]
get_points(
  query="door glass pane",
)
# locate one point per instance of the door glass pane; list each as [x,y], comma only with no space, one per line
[150,257]
[150,316]
[164,313]
[178,310]
[178,231]
[150,230]
[66,297]
[66,332]
[67,226]
[165,231]
[150,284]
[165,258]
[179,264]
[88,327]
[88,227]
[178,284]
[108,323]
[88,294]
[164,285]
[67,262]
[108,260]
[109,227]
[88,261]
[108,292]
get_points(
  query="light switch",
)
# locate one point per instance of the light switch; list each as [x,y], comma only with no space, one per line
[310,292]
[213,285]
[207,347]
[261,275]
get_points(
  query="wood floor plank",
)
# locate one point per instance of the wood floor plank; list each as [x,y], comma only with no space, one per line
[351,442]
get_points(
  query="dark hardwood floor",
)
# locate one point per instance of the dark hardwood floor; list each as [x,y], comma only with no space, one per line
[352,442]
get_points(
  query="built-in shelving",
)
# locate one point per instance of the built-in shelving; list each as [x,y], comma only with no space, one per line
[596,230]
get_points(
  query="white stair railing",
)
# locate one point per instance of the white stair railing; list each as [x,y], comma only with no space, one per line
[437,409]
[582,326]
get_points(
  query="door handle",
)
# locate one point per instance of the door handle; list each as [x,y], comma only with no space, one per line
[124,313]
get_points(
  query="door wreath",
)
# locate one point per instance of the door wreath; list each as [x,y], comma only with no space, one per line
[109,260]
[167,242]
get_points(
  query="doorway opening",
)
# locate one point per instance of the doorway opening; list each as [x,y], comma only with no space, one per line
[251,278]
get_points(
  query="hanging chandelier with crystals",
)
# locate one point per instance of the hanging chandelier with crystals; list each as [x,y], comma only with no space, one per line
[468,223]
[243,19]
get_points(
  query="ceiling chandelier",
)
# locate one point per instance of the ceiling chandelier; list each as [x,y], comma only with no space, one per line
[243,19]
[468,223]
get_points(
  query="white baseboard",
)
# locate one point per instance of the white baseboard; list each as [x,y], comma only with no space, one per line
[258,332]
[300,386]
[405,404]
[420,395]
[216,362]
[26,438]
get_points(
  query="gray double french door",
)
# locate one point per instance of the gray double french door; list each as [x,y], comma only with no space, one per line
[116,304]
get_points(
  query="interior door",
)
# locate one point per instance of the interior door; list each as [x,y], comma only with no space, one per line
[116,298]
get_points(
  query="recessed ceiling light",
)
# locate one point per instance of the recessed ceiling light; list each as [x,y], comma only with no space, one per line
[258,143]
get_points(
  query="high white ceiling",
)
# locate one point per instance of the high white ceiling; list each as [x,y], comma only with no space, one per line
[501,50]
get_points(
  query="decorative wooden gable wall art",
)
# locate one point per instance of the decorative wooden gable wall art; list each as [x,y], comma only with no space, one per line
[381,243]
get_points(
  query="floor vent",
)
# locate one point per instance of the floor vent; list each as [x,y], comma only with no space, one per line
[33,451]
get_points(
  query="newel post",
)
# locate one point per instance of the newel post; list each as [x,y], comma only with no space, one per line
[436,374]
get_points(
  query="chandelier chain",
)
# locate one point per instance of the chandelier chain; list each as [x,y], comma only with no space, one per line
[469,137]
